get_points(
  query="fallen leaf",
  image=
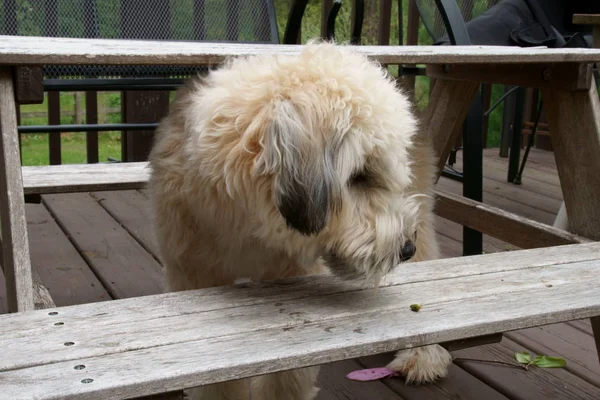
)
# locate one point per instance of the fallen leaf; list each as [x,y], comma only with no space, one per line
[523,358]
[371,374]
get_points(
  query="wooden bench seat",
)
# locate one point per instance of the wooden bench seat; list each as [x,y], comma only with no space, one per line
[509,227]
[70,178]
[147,345]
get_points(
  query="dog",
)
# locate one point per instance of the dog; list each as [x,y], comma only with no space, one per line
[276,166]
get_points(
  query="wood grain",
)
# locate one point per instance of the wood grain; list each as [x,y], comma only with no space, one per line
[185,339]
[15,245]
[586,19]
[563,340]
[61,269]
[123,266]
[503,202]
[29,85]
[41,296]
[84,177]
[518,384]
[30,50]
[442,122]
[574,121]
[509,227]
[566,76]
[132,210]
[457,385]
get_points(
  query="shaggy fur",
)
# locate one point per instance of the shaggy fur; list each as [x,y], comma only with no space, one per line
[279,166]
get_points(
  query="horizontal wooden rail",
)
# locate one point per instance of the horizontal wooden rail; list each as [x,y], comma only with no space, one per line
[511,228]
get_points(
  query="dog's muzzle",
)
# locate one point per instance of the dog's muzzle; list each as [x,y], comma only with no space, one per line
[407,251]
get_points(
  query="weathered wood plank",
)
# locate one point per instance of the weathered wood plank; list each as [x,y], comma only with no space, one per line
[451,229]
[586,19]
[568,76]
[84,177]
[29,85]
[334,385]
[210,299]
[132,210]
[90,334]
[123,266]
[45,50]
[443,120]
[563,340]
[574,120]
[13,225]
[170,354]
[3,300]
[41,296]
[518,384]
[457,385]
[61,269]
[509,227]
[533,188]
[213,360]
[505,203]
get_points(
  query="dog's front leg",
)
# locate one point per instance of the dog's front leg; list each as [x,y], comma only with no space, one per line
[298,384]
[422,364]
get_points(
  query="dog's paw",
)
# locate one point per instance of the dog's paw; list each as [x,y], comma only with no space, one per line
[422,364]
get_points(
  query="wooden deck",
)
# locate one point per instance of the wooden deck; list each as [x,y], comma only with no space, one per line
[91,247]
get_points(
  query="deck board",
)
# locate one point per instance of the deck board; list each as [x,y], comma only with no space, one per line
[132,209]
[566,341]
[459,384]
[518,384]
[125,268]
[61,268]
[119,221]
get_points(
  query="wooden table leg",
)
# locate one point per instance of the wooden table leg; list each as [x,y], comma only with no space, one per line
[574,123]
[13,225]
[442,123]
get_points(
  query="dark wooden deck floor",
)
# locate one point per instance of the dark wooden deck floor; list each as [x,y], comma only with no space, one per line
[99,246]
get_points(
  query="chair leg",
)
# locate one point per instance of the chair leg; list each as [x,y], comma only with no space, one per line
[515,147]
[473,170]
[13,225]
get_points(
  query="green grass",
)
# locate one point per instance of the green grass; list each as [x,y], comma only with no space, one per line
[35,148]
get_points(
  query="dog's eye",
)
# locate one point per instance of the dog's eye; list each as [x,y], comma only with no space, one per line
[359,178]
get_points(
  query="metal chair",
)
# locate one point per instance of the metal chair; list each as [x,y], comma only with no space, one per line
[197,20]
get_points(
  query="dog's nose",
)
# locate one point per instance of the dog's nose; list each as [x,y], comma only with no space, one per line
[408,251]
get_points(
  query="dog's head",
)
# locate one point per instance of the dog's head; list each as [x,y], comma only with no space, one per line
[331,139]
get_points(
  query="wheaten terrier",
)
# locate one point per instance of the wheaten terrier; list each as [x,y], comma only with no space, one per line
[278,166]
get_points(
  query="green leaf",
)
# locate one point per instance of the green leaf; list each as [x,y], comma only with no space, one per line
[549,362]
[523,358]
[415,307]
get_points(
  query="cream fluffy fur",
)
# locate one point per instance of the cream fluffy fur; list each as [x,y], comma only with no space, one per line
[278,166]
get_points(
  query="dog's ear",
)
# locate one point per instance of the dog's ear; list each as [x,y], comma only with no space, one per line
[305,179]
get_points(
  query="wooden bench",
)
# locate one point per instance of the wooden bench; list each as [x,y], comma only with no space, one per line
[509,227]
[92,357]
[164,343]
